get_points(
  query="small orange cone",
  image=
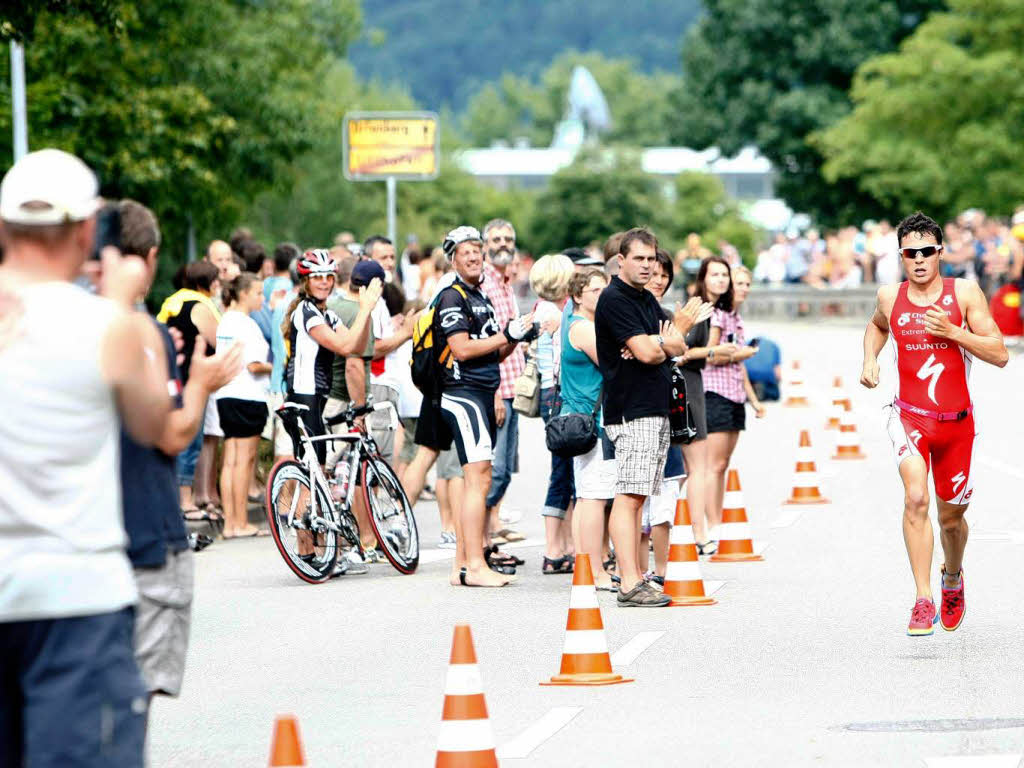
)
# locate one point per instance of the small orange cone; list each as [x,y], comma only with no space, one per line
[585,659]
[466,739]
[734,542]
[847,442]
[683,581]
[796,392]
[840,402]
[286,746]
[805,481]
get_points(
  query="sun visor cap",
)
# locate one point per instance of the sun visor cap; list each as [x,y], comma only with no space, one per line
[459,235]
[48,187]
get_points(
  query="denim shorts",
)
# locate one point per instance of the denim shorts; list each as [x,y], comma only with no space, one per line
[70,693]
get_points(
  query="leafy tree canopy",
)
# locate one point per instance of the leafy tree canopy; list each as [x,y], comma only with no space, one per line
[939,125]
[771,72]
[18,19]
[175,107]
[445,51]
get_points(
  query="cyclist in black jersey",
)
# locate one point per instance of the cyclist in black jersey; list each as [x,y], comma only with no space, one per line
[314,335]
[474,345]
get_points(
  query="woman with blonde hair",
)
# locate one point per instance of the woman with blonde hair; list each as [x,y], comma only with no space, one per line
[549,278]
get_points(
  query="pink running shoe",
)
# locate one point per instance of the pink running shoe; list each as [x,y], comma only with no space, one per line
[922,618]
[953,604]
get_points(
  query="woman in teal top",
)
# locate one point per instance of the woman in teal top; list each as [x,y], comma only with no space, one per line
[593,473]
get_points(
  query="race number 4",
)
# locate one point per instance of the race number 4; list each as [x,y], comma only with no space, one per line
[931,370]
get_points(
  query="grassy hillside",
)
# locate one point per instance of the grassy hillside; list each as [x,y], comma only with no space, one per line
[443,51]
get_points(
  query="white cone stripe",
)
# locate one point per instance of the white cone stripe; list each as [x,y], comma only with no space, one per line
[805,453]
[683,571]
[681,534]
[846,419]
[733,531]
[847,439]
[733,500]
[465,736]
[583,597]
[463,680]
[805,479]
[585,641]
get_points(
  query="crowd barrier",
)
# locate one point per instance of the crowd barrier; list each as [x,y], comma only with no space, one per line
[791,302]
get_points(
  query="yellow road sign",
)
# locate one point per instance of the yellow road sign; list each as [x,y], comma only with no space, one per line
[405,145]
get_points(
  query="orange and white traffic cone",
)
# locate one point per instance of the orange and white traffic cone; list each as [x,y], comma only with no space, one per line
[839,402]
[466,739]
[683,581]
[286,746]
[734,542]
[585,659]
[796,392]
[805,481]
[847,441]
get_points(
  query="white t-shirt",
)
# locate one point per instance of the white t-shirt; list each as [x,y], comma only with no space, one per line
[62,538]
[383,328]
[238,326]
[409,397]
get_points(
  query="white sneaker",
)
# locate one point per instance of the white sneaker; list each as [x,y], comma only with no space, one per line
[447,540]
[507,515]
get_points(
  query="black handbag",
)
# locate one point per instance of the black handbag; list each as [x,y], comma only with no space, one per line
[573,434]
[680,417]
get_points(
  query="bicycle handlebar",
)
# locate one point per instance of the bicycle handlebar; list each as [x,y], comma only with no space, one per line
[351,414]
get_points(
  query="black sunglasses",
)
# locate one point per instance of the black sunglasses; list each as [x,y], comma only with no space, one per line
[926,251]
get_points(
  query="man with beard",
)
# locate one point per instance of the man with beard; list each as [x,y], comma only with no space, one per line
[499,252]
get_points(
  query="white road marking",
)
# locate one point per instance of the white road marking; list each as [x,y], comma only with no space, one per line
[996,536]
[710,587]
[786,518]
[542,730]
[1002,466]
[435,555]
[628,653]
[974,761]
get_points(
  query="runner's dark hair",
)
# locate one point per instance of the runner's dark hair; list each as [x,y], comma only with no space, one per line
[921,224]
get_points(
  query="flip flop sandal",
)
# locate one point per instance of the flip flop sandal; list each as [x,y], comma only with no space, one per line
[509,535]
[258,533]
[497,566]
[496,539]
[505,558]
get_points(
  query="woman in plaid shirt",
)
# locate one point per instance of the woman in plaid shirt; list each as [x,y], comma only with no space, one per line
[726,385]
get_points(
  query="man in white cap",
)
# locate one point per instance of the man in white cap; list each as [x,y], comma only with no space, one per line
[74,370]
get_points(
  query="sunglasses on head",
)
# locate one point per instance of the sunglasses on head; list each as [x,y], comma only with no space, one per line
[924,250]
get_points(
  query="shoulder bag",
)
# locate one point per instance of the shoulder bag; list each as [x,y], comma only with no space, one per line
[680,418]
[527,387]
[573,434]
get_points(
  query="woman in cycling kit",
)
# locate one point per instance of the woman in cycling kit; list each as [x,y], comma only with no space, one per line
[314,335]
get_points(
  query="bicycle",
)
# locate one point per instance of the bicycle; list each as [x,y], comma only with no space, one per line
[304,513]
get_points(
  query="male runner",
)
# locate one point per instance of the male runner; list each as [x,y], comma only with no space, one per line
[938,325]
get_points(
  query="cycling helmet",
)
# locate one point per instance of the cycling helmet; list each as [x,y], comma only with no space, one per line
[459,235]
[316,262]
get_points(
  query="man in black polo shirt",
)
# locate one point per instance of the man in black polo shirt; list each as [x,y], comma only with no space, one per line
[157,539]
[635,345]
[473,346]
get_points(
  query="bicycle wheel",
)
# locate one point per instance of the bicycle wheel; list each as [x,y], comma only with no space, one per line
[288,493]
[390,514]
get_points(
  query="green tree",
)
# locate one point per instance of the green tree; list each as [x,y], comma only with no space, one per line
[599,194]
[939,125]
[701,205]
[18,19]
[639,104]
[192,107]
[771,72]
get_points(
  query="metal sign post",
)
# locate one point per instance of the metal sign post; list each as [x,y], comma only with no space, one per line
[20,120]
[391,146]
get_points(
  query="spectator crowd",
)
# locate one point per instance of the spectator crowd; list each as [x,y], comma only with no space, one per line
[132,441]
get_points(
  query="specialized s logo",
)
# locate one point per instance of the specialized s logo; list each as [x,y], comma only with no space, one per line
[947,300]
[903,319]
[958,479]
[903,449]
[450,317]
[915,436]
[931,370]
